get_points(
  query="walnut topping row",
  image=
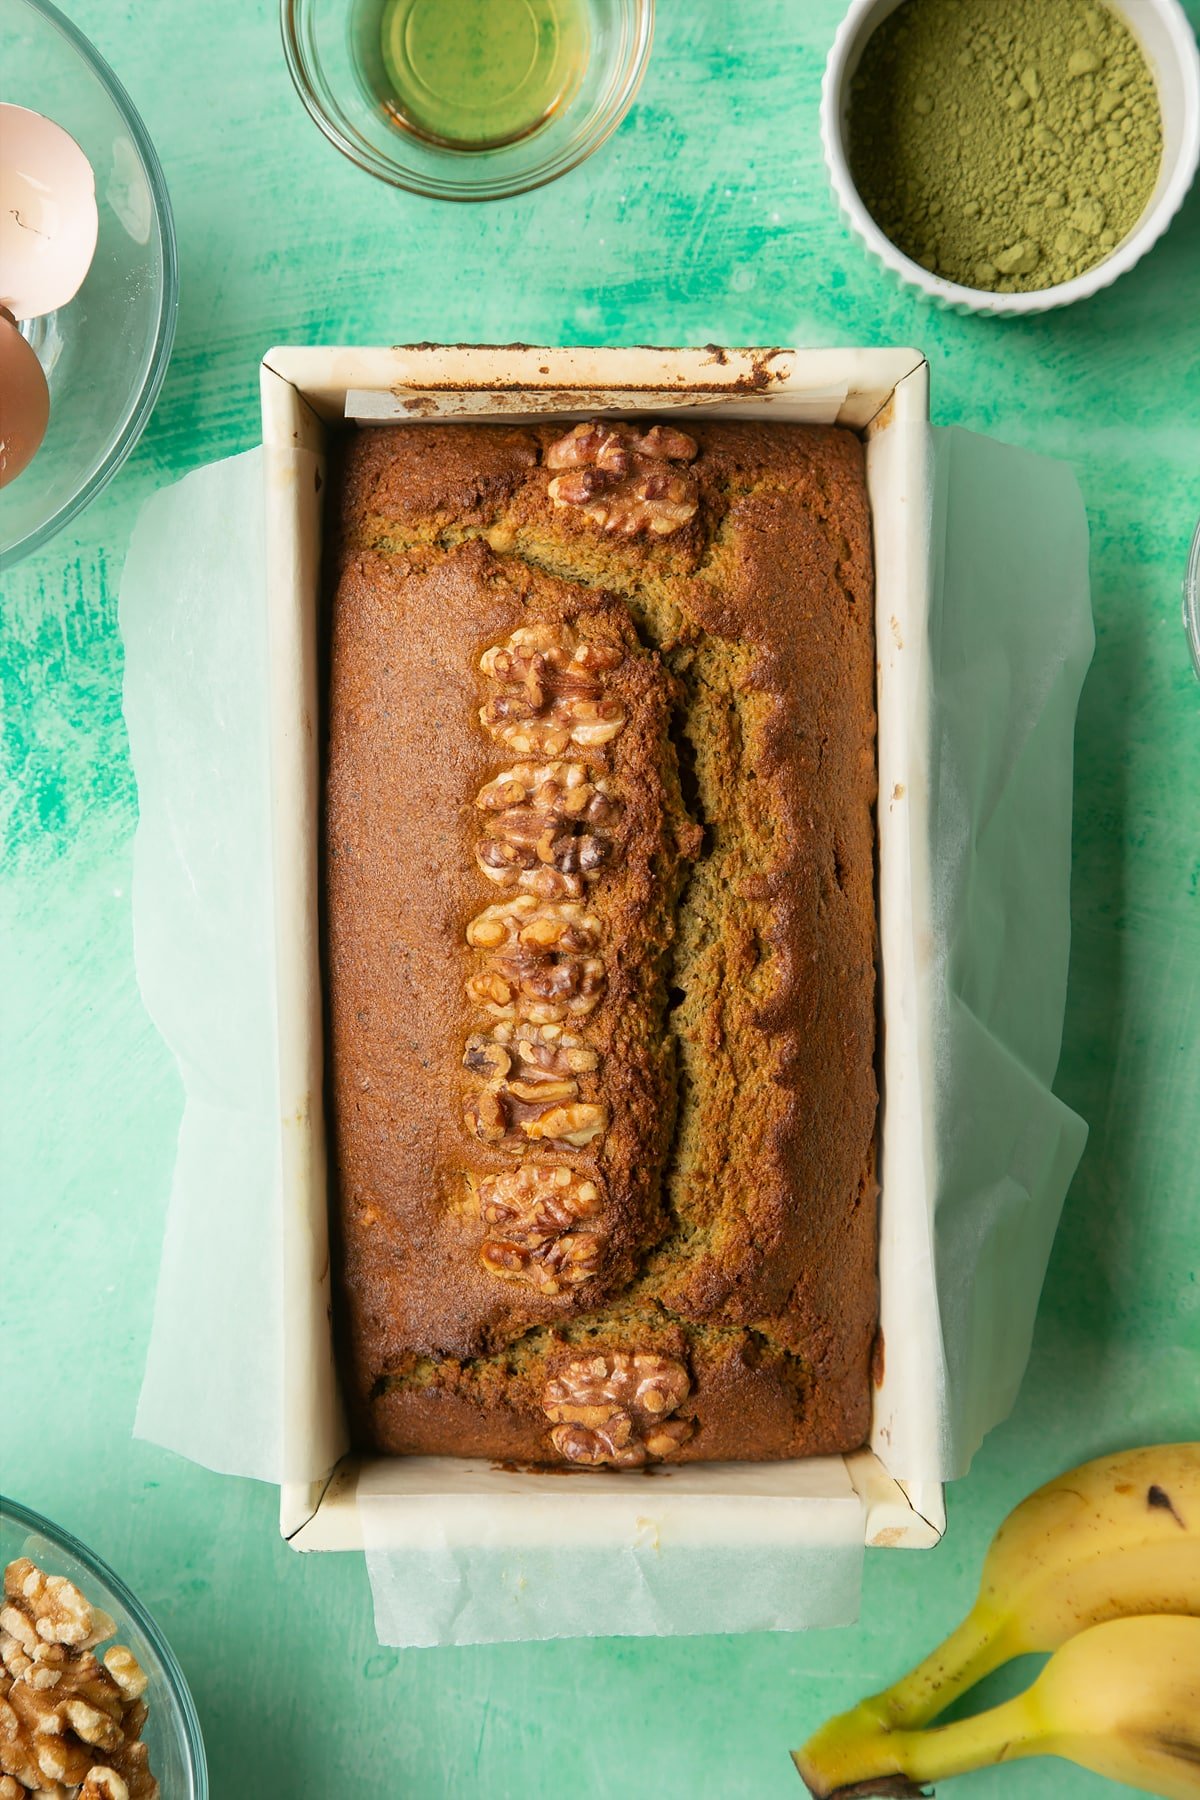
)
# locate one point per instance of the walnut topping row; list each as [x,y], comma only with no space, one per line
[615,1408]
[626,480]
[70,1724]
[546,834]
[533,1216]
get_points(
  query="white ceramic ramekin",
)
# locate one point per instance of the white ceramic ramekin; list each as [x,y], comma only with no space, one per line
[1160,27]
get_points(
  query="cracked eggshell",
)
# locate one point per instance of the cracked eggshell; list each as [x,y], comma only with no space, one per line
[48,218]
[24,401]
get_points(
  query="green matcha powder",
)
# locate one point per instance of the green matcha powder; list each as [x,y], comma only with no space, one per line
[1004,144]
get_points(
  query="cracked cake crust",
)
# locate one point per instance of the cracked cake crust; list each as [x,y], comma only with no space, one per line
[729,1135]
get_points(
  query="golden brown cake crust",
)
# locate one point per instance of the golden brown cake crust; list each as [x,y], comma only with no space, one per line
[721,1300]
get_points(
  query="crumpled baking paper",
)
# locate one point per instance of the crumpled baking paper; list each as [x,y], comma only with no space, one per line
[1011,638]
[194,627]
[624,1560]
[1010,641]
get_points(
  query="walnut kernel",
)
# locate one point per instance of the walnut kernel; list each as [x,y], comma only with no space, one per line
[625,480]
[613,1407]
[544,828]
[533,1215]
[531,1094]
[562,926]
[610,444]
[49,1609]
[539,967]
[103,1784]
[551,691]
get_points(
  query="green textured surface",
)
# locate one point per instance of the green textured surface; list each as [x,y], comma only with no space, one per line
[707,217]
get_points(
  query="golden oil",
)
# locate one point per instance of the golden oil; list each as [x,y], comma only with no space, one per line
[477,74]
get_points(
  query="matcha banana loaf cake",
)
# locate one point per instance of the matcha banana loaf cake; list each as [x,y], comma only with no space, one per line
[600,936]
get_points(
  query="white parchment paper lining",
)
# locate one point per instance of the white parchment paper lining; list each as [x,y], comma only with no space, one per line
[1010,641]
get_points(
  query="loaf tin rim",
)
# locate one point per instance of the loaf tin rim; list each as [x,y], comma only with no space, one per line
[304,390]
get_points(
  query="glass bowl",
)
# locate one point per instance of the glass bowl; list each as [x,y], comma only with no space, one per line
[105,354]
[332,44]
[1191,601]
[172,1732]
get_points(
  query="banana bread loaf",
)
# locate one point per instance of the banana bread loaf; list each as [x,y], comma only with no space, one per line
[600,938]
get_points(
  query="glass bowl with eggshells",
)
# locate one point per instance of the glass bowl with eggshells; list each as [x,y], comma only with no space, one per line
[88,280]
[70,1627]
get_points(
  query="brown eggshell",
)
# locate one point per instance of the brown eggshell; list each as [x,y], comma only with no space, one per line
[24,402]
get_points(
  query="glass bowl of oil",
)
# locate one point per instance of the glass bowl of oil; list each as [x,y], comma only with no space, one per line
[467,99]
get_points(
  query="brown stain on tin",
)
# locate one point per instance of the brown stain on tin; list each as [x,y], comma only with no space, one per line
[877,1359]
[885,415]
[581,1471]
[757,379]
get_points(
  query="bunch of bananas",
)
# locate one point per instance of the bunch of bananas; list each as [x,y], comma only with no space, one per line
[1101,1567]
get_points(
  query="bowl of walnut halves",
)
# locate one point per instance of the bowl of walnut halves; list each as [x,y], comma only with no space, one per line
[93,1705]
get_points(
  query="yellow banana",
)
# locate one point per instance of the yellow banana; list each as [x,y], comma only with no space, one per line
[1122,1698]
[1116,1537]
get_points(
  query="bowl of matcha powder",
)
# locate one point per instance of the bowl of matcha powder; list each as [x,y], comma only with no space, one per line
[1006,156]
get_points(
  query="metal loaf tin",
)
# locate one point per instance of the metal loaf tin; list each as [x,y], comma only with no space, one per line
[309,394]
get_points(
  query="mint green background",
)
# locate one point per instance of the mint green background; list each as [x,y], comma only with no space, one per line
[706,218]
